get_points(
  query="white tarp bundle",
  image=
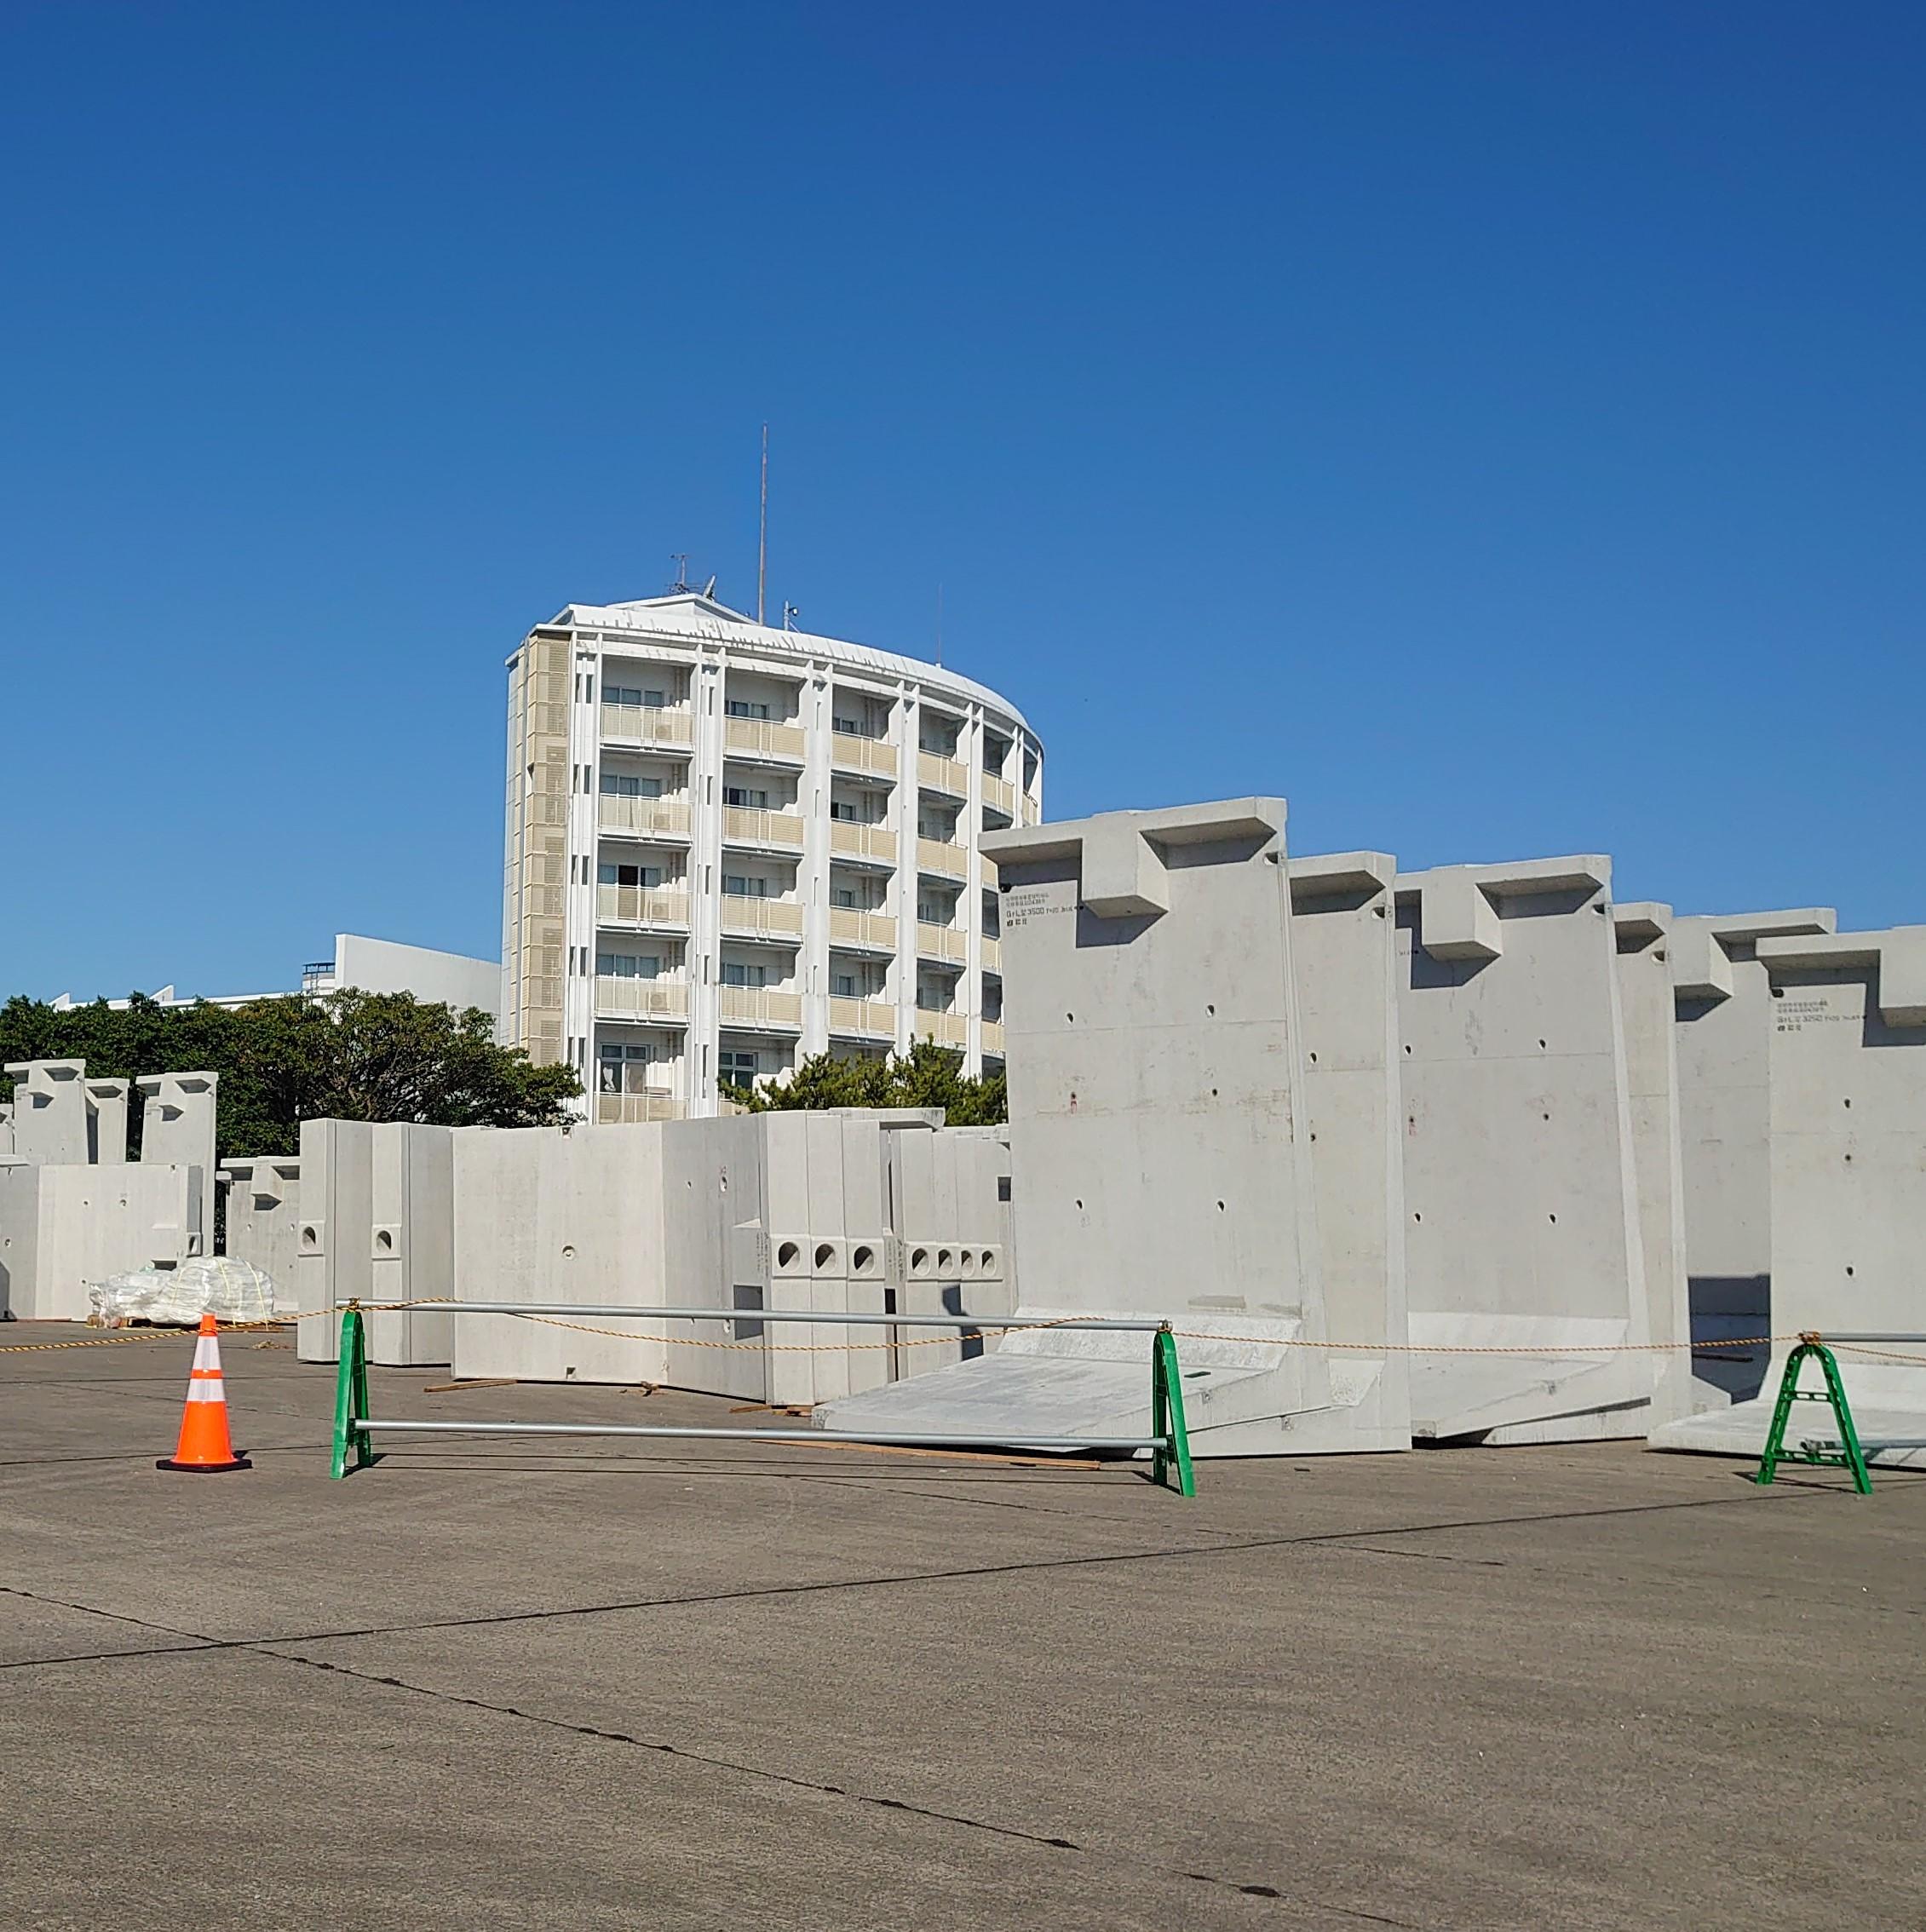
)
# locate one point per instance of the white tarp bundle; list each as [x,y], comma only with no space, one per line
[229,1290]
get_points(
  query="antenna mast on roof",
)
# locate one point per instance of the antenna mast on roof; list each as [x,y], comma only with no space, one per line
[940,623]
[680,559]
[763,530]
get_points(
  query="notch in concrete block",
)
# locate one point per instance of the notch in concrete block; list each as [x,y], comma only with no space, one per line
[1701,967]
[1898,955]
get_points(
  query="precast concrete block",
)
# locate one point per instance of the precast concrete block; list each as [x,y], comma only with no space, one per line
[547,1217]
[1645,998]
[1521,1192]
[411,1242]
[1720,1004]
[107,1122]
[177,1130]
[262,1219]
[1846,1049]
[1345,957]
[50,1112]
[65,1228]
[334,1232]
[1160,1156]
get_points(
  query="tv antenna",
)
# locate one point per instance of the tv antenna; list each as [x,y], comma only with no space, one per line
[940,623]
[680,559]
[790,613]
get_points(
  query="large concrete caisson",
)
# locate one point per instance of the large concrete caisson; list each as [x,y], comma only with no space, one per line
[177,1129]
[1720,1000]
[263,1219]
[1520,1184]
[1846,1049]
[1159,1141]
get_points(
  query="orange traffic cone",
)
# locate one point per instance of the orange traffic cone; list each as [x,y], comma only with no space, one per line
[204,1447]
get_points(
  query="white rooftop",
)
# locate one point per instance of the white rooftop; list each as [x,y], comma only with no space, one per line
[690,614]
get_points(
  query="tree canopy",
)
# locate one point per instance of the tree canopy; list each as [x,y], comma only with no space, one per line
[928,1075]
[347,1055]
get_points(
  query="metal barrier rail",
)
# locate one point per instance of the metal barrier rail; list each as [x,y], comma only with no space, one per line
[1168,1441]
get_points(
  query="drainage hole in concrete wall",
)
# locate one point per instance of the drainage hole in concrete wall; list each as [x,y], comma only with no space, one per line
[1848,1103]
[1849,1160]
[309,1239]
[919,1256]
[1553,1219]
[567,1252]
[1314,1136]
[1418,1218]
[1547,1117]
[786,1254]
[1213,1093]
[862,1256]
[943,1259]
[1079,1206]
[1220,1207]
[1407,1050]
[1070,1019]
[824,1253]
[384,1239]
[1849,1267]
[1211,1011]
[1541,1042]
[1314,1059]
[1779,992]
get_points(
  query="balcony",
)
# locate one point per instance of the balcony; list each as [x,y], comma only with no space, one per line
[939,855]
[647,724]
[655,817]
[943,774]
[761,738]
[946,1029]
[781,918]
[940,942]
[760,1006]
[993,1036]
[624,1110]
[999,795]
[640,999]
[992,954]
[863,1019]
[743,824]
[1029,812]
[848,927]
[863,842]
[643,905]
[854,754]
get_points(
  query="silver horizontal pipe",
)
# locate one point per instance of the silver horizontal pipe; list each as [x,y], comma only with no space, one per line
[885,1439]
[1871,1448]
[852,1317]
[1827,1335]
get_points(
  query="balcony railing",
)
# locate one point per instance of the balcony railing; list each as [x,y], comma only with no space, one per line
[992,954]
[616,814]
[863,842]
[993,1036]
[939,855]
[646,999]
[863,1019]
[760,1006]
[743,824]
[636,906]
[1028,811]
[647,724]
[856,753]
[743,914]
[940,942]
[761,738]
[946,1029]
[622,1110]
[943,774]
[999,795]
[848,927]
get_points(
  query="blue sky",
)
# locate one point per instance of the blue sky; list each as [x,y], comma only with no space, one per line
[1496,427]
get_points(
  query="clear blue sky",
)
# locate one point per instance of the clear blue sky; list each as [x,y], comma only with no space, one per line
[1496,427]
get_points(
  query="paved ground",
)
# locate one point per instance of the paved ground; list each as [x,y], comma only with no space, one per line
[504,1688]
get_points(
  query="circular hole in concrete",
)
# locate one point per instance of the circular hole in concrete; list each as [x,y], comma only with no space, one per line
[824,1252]
[1553,1219]
[1314,1059]
[384,1239]
[966,1262]
[568,1251]
[786,1252]
[1541,1042]
[1407,1050]
[862,1257]
[1210,1010]
[989,1258]
[309,1239]
[1418,1218]
[944,1258]
[1848,1103]
[1779,992]
[919,1256]
[1849,1267]
[1070,1019]
[1080,1207]
[1220,1207]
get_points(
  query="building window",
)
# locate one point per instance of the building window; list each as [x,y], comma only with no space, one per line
[735,973]
[742,885]
[735,1067]
[748,797]
[629,965]
[635,695]
[629,874]
[934,911]
[844,896]
[842,984]
[744,708]
[623,1069]
[626,784]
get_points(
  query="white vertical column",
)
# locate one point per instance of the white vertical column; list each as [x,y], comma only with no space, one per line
[907,798]
[705,882]
[970,749]
[579,900]
[812,875]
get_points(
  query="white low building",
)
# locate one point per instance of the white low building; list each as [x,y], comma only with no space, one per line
[731,847]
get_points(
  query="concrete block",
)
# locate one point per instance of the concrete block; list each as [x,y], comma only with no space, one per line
[1160,1159]
[1847,1080]
[107,1122]
[1520,1194]
[65,1228]
[262,1219]
[177,1129]
[1721,1002]
[50,1112]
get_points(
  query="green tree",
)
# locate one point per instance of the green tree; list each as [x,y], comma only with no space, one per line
[928,1075]
[349,1055]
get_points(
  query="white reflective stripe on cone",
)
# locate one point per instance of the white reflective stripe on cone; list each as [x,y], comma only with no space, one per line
[207,1353]
[205,1390]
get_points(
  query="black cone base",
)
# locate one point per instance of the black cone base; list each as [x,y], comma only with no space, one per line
[203,1469]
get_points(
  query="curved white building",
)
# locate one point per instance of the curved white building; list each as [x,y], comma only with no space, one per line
[731,847]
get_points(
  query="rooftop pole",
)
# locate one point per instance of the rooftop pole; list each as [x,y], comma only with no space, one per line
[763,530]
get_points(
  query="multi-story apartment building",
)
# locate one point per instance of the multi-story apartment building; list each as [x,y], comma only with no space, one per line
[731,847]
